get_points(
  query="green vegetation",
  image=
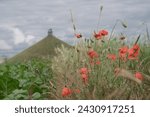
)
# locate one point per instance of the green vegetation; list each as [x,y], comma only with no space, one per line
[46,78]
[29,80]
[109,79]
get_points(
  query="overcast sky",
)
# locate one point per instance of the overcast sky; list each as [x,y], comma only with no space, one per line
[24,22]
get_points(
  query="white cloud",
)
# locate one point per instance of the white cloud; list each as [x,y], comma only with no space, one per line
[4,45]
[19,37]
[30,39]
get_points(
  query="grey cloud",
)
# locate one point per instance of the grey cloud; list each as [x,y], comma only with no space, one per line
[35,17]
[4,45]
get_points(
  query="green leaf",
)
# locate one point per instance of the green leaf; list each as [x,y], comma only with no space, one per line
[7,85]
[36,95]
[18,94]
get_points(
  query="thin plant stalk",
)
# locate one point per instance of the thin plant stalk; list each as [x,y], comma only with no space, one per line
[147,33]
[100,14]
[112,32]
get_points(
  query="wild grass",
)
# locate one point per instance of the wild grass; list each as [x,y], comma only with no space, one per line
[103,82]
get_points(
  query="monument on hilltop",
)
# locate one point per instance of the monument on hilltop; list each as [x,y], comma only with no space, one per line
[50,32]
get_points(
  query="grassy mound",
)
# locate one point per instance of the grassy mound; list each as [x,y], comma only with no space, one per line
[42,49]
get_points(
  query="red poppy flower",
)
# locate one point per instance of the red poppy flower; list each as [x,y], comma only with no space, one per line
[98,62]
[84,77]
[103,32]
[77,91]
[66,92]
[83,70]
[138,75]
[133,52]
[100,34]
[92,54]
[97,35]
[93,63]
[112,57]
[136,47]
[78,35]
[123,52]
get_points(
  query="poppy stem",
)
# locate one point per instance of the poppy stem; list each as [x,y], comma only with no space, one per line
[72,20]
[112,31]
[147,32]
[137,39]
[100,14]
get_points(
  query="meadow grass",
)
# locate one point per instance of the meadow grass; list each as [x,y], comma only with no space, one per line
[103,82]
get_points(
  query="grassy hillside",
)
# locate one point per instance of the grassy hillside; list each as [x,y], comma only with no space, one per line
[44,48]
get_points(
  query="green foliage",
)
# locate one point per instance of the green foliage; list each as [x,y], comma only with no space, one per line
[28,80]
[7,86]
